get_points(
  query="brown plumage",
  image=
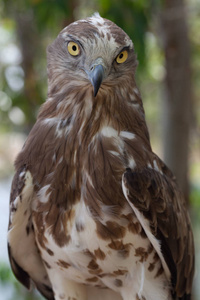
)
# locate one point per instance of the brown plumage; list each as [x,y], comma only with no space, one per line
[91,205]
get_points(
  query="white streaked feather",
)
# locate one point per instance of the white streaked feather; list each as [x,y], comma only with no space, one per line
[136,90]
[154,167]
[108,131]
[115,153]
[127,135]
[96,18]
[142,276]
[131,163]
[43,195]
[132,97]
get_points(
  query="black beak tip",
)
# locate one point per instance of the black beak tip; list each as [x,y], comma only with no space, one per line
[95,91]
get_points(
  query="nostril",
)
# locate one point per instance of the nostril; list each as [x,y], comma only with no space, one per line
[92,68]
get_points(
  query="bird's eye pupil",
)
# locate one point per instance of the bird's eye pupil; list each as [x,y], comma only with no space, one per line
[73,48]
[122,57]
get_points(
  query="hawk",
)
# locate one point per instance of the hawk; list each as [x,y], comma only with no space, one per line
[94,213]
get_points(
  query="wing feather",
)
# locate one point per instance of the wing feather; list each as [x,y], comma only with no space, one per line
[156,197]
[24,255]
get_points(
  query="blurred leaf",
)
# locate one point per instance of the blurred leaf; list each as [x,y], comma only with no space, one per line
[195,199]
[5,273]
[8,281]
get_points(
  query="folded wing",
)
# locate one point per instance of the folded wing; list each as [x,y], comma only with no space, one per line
[160,208]
[24,255]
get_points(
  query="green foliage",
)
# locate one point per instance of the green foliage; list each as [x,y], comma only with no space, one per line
[50,14]
[5,273]
[195,203]
[16,290]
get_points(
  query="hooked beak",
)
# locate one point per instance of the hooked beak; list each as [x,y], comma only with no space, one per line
[96,76]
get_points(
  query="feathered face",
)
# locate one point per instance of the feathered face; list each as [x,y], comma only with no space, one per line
[91,51]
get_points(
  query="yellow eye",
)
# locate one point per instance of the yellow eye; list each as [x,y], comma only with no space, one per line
[73,48]
[122,57]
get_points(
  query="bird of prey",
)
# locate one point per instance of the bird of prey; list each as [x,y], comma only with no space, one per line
[94,213]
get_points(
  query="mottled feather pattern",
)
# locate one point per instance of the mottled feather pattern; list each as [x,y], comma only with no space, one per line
[159,199]
[94,213]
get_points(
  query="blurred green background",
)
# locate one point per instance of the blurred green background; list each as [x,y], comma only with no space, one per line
[166,36]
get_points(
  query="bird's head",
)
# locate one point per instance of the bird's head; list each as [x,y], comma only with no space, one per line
[92,52]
